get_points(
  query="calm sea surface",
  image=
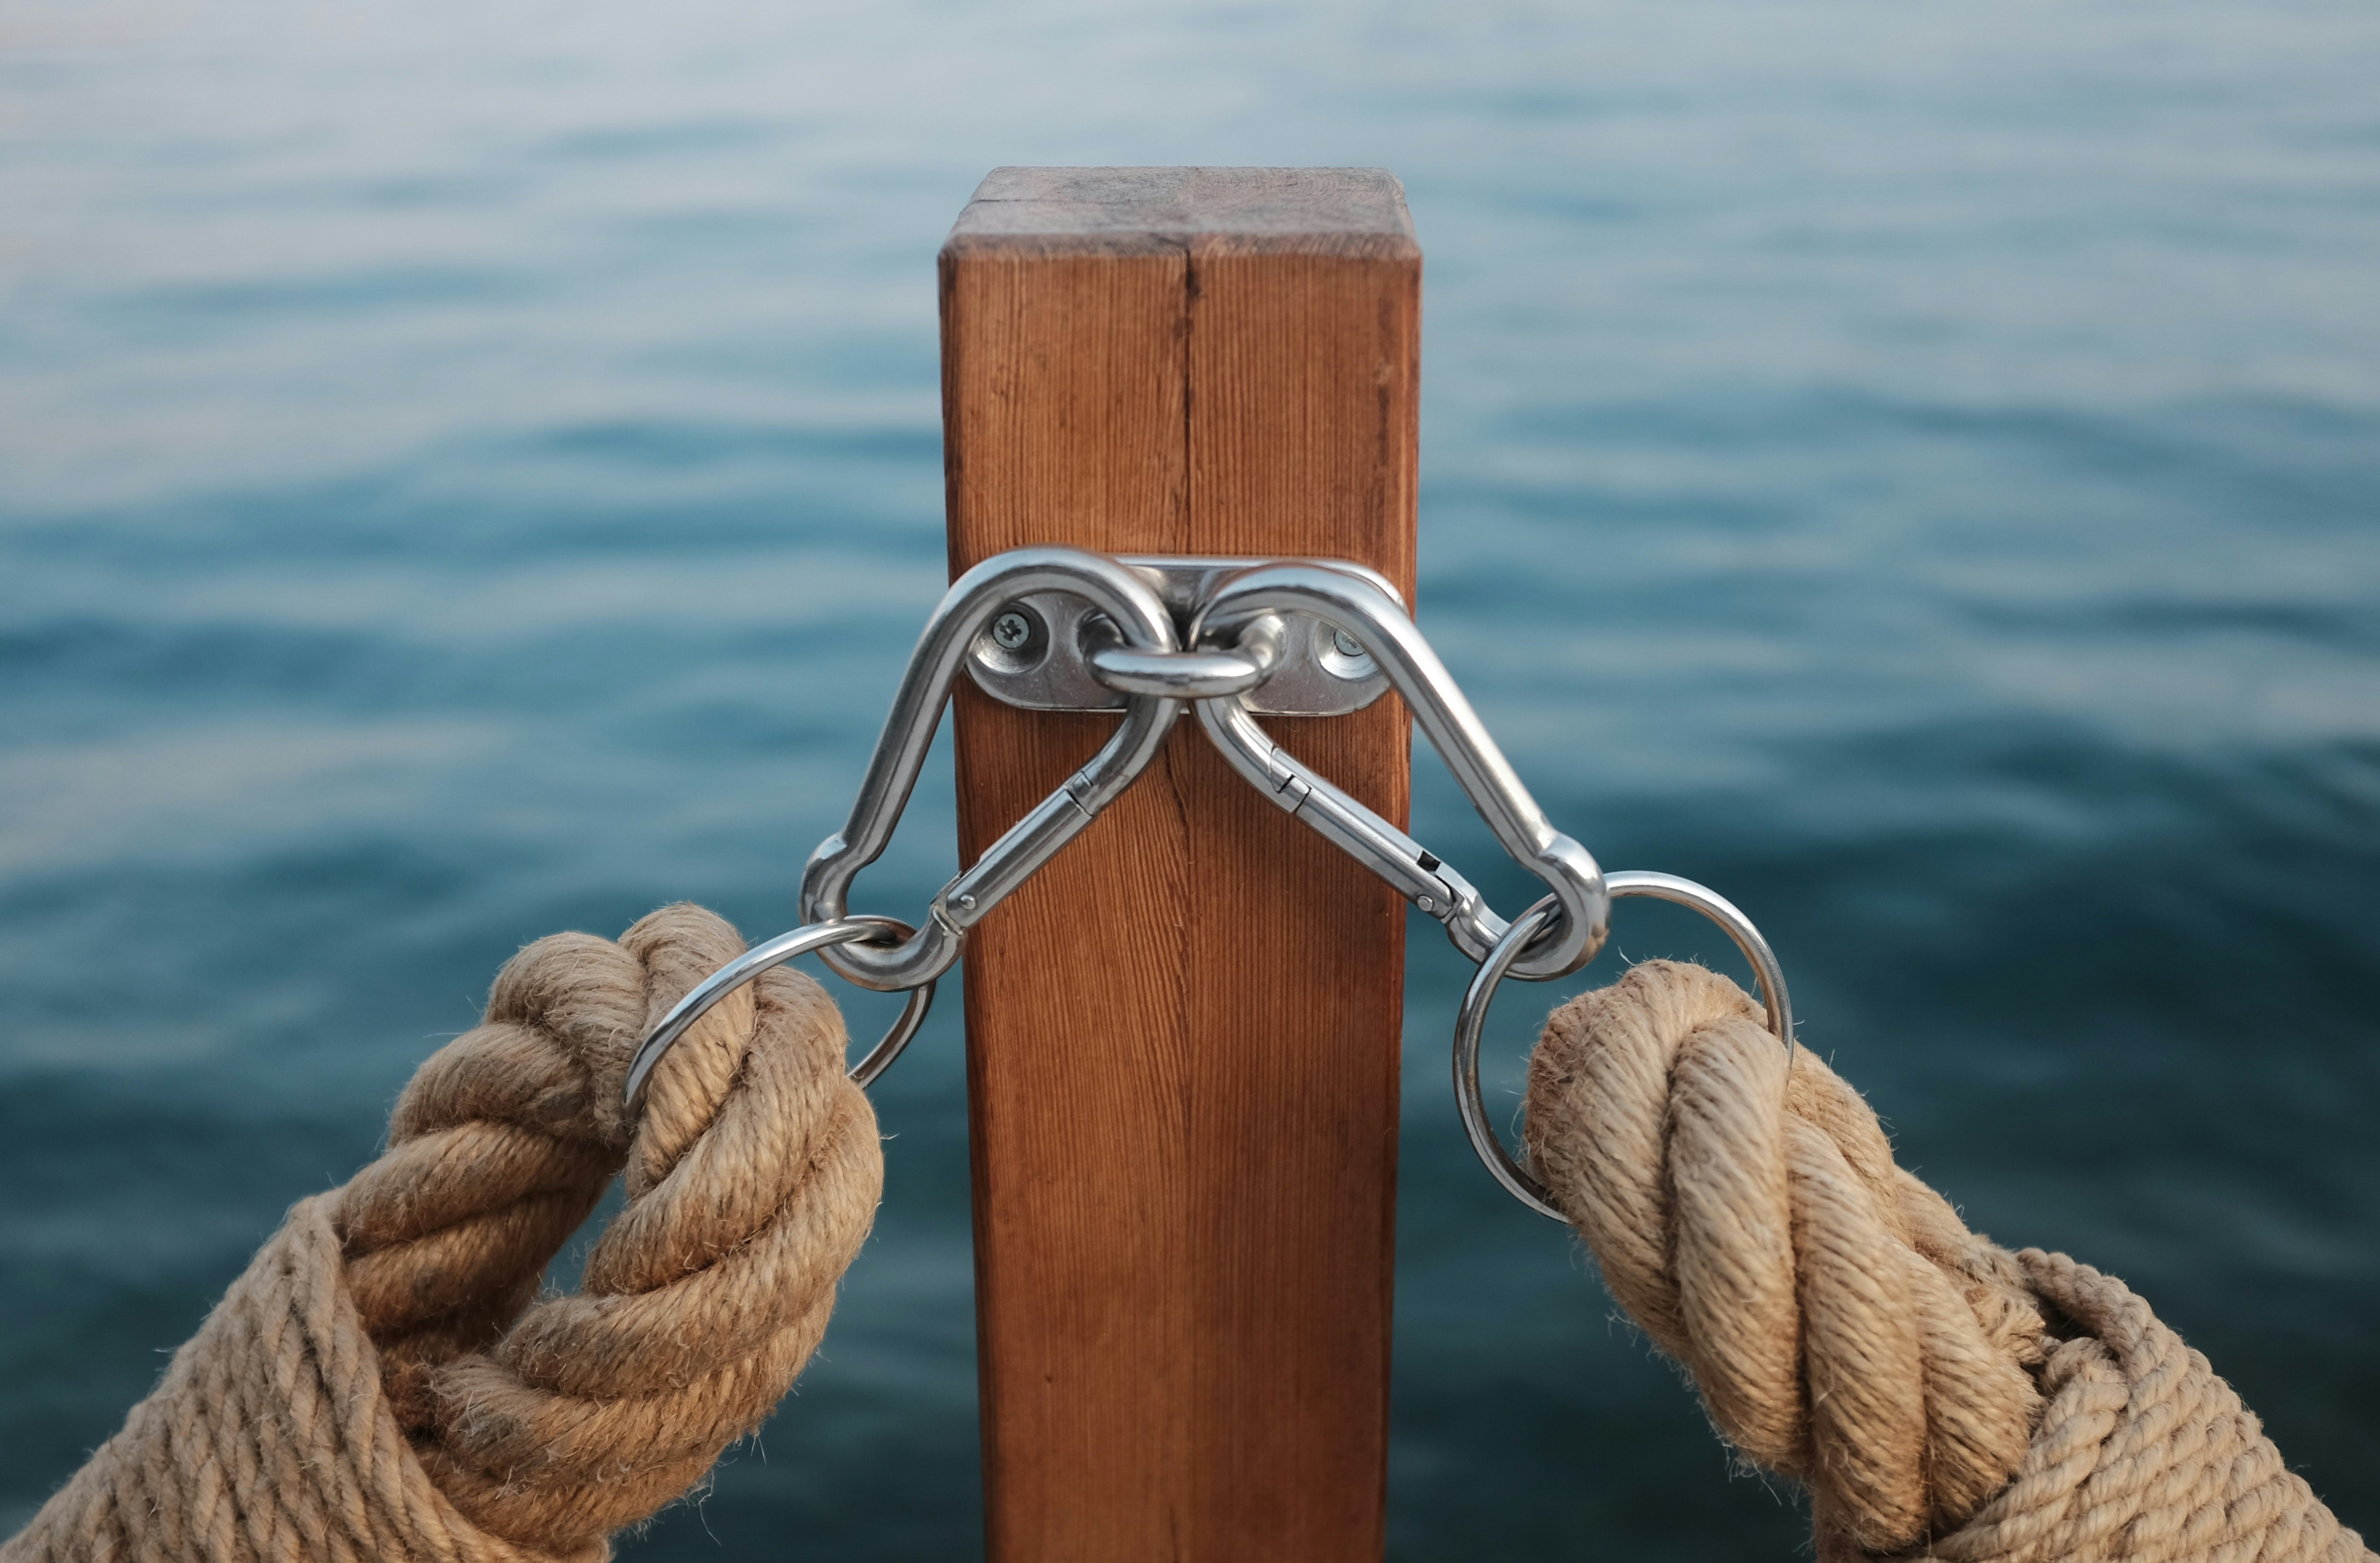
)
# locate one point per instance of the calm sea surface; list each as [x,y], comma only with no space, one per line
[469,471]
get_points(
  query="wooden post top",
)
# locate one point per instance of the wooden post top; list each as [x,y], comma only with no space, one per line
[1354,212]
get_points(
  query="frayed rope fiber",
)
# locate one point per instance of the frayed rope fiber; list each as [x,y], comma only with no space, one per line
[382,1384]
[1939,1396]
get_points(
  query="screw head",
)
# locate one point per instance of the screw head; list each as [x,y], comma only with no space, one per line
[1425,904]
[1011,630]
[1348,644]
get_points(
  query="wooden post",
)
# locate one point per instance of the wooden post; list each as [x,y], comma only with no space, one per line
[1183,1035]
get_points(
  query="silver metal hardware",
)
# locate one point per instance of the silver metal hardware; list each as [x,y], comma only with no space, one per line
[1064,629]
[1472,1018]
[1012,631]
[776,952]
[1411,868]
[1075,662]
[1183,675]
[995,587]
[1375,619]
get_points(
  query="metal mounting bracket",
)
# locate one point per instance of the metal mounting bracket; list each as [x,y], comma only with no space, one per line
[1036,652]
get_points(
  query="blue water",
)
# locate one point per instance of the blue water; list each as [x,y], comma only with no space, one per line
[467,472]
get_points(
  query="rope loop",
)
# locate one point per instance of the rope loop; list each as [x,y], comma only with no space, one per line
[1933,1391]
[380,1384]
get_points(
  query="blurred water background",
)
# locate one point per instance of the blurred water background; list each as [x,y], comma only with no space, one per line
[469,471]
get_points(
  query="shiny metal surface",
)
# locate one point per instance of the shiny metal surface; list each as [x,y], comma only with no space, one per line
[1472,1018]
[1142,624]
[1183,675]
[1417,873]
[776,952]
[1342,600]
[1046,650]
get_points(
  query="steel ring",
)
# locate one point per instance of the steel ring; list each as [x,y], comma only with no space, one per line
[1177,675]
[1472,1018]
[776,952]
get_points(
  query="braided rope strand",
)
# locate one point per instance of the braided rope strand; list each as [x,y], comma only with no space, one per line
[381,1384]
[1940,1396]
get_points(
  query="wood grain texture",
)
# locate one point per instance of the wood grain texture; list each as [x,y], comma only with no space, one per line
[1183,1035]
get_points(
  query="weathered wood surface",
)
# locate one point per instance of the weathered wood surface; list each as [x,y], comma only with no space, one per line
[1183,1035]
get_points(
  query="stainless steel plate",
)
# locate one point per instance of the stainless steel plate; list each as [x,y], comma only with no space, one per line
[1035,654]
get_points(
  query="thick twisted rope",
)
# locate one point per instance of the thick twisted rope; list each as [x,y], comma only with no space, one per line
[1938,1395]
[378,1387]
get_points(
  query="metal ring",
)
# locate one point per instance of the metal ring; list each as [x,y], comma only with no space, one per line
[1472,1018]
[1181,675]
[776,952]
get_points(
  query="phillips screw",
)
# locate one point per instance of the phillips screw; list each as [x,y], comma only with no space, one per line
[1011,630]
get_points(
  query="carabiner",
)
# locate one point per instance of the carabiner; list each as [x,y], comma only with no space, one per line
[1364,610]
[974,598]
